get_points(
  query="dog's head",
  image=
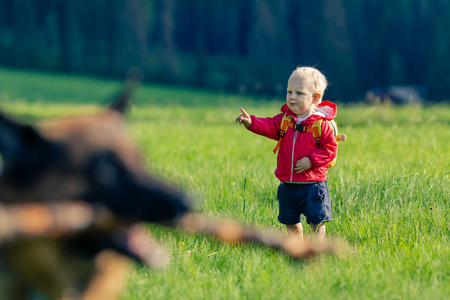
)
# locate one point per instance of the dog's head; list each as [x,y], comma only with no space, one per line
[87,157]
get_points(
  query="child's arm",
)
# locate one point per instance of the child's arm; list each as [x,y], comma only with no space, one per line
[321,156]
[268,127]
[327,148]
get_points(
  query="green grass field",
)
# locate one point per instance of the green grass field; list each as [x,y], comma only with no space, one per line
[390,192]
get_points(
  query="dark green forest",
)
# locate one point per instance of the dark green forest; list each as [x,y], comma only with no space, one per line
[234,45]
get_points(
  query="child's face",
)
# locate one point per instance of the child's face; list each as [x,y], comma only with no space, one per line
[300,98]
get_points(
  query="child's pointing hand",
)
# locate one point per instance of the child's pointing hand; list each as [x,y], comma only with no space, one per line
[244,118]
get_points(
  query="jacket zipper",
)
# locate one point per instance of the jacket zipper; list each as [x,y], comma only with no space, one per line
[292,159]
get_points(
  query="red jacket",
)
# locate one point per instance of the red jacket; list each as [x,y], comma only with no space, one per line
[296,145]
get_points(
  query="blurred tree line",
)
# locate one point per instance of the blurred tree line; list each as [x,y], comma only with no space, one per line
[233,45]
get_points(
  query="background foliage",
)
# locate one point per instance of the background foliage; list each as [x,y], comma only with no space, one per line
[246,46]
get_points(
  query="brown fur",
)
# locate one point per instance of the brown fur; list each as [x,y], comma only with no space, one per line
[66,249]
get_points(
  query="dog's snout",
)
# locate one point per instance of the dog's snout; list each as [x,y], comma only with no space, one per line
[160,203]
[144,199]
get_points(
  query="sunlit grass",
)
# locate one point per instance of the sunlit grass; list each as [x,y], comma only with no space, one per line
[390,192]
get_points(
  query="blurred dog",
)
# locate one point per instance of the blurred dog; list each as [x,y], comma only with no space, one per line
[71,195]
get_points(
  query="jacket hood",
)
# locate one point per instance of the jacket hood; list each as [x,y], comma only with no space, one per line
[326,110]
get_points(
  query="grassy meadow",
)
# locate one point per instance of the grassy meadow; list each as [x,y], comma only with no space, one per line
[390,192]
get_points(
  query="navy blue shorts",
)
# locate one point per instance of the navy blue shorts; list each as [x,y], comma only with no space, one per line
[310,199]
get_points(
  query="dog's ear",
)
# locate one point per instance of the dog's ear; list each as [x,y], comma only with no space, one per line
[15,136]
[122,101]
[25,152]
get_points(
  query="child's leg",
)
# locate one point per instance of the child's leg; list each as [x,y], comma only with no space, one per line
[318,209]
[295,230]
[289,212]
[318,230]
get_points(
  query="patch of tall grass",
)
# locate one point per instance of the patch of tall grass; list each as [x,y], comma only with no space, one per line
[390,192]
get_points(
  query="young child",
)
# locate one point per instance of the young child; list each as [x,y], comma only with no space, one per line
[302,163]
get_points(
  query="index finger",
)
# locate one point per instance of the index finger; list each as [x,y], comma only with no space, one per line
[244,112]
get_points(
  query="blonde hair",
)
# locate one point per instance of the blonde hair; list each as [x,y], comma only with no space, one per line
[317,80]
